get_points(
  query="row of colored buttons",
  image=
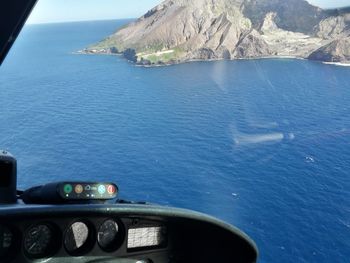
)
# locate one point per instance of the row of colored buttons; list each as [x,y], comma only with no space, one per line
[78,189]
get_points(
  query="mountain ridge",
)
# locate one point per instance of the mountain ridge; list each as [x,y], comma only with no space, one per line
[178,31]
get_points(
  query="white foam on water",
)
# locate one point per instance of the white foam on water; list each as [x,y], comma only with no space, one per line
[244,139]
[310,159]
[337,64]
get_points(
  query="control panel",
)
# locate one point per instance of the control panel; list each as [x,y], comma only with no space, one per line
[80,191]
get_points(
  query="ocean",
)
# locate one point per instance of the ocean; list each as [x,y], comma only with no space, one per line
[262,144]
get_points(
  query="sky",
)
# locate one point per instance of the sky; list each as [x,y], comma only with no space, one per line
[53,11]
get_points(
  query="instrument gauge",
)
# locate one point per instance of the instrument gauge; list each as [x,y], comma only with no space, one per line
[108,235]
[78,239]
[6,241]
[39,241]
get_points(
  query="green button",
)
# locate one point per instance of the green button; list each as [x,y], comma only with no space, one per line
[67,188]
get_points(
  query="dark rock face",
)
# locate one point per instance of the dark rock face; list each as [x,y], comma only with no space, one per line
[130,55]
[182,30]
[144,62]
[113,50]
[337,51]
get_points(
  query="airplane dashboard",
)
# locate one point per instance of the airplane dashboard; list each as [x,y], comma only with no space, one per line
[117,233]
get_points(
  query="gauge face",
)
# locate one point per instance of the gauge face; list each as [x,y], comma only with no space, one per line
[6,241]
[108,235]
[38,240]
[78,238]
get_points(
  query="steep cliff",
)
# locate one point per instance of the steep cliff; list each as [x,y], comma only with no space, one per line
[336,51]
[180,30]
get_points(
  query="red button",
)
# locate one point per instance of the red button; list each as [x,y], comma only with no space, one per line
[111,189]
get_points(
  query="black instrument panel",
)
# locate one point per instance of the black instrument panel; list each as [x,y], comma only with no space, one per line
[119,234]
[38,239]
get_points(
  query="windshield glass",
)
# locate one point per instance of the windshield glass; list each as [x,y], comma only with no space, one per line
[235,108]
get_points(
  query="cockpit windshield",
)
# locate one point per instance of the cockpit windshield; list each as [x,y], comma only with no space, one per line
[235,108]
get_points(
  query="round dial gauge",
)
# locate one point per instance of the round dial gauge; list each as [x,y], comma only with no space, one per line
[6,241]
[78,239]
[38,240]
[108,235]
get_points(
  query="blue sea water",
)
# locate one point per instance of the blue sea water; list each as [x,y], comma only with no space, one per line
[262,144]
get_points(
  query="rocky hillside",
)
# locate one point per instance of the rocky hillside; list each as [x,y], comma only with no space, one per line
[185,30]
[291,15]
[336,51]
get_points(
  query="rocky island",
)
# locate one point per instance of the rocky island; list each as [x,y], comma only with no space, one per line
[180,30]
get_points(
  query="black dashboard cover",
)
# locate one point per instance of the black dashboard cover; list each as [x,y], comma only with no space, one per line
[13,15]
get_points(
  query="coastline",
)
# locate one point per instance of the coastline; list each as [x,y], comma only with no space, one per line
[163,64]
